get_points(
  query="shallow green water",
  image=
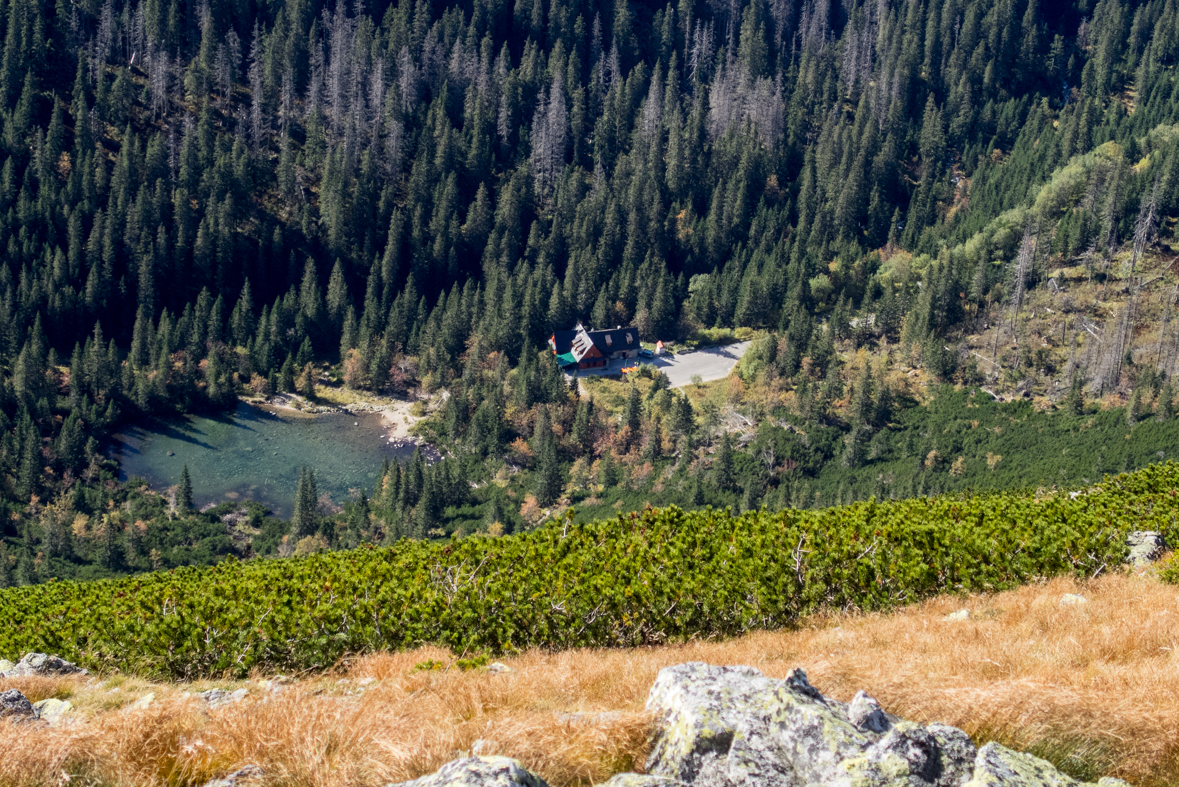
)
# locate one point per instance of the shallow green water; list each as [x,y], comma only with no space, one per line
[255,454]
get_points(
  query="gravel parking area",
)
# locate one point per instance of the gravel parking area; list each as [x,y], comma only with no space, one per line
[711,363]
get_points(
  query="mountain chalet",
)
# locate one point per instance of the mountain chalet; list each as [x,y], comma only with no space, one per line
[583,349]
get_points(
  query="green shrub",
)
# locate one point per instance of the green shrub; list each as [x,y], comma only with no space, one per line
[642,578]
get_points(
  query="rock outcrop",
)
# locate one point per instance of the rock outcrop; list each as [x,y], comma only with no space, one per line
[735,727]
[42,664]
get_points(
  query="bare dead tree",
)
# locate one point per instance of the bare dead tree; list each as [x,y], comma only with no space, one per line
[1022,270]
[1120,333]
[549,137]
[254,76]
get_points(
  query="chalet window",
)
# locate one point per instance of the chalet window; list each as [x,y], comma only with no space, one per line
[609,340]
[630,339]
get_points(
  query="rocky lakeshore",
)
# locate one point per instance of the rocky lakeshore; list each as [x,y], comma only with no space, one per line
[395,413]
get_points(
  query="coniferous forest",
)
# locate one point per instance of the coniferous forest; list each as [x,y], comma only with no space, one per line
[212,199]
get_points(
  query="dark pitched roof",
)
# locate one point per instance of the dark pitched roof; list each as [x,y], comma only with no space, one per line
[561,341]
[579,342]
[616,340]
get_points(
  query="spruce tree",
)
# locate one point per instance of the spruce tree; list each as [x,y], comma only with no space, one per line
[305,519]
[184,493]
[632,414]
[1076,396]
[286,380]
[723,468]
[581,432]
[1167,401]
[548,466]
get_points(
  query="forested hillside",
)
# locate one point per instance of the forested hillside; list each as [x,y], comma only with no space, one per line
[203,200]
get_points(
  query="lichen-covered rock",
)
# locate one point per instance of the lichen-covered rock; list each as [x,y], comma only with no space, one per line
[699,708]
[757,758]
[16,706]
[479,772]
[1146,546]
[998,766]
[956,755]
[52,711]
[42,664]
[734,727]
[815,732]
[867,715]
[907,756]
[640,780]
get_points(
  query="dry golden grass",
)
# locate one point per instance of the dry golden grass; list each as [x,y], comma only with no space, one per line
[1092,686]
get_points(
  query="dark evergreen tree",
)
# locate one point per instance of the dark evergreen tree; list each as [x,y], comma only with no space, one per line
[184,491]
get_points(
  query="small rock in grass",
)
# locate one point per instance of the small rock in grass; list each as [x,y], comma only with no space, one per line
[42,664]
[214,697]
[479,772]
[237,777]
[144,701]
[1073,598]
[496,668]
[962,614]
[16,706]
[52,711]
[6,665]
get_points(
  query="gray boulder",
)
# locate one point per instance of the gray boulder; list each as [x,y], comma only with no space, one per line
[478,772]
[42,664]
[758,756]
[998,766]
[699,708]
[816,733]
[912,756]
[16,706]
[53,711]
[1146,546]
[957,753]
[734,727]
